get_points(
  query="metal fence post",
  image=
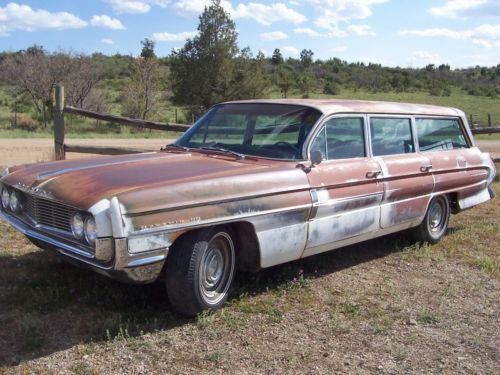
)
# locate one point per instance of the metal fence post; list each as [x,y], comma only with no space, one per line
[58,109]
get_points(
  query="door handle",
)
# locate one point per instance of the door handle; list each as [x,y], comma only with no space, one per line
[373,174]
[426,168]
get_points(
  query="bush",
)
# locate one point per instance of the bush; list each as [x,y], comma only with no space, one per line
[23,122]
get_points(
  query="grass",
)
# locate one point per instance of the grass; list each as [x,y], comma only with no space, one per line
[364,308]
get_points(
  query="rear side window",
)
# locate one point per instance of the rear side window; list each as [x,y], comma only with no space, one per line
[391,136]
[341,138]
[439,134]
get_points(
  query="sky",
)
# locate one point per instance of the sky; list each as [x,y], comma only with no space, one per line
[406,33]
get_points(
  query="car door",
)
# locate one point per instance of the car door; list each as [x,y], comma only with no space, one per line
[408,183]
[345,188]
[455,166]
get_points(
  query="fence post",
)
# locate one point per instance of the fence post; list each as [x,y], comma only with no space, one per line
[470,120]
[59,123]
[489,120]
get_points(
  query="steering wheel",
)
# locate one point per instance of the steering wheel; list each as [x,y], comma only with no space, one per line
[296,151]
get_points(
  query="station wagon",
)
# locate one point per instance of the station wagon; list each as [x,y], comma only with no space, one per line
[250,185]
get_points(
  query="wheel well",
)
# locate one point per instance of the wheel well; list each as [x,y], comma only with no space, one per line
[247,246]
[454,207]
[245,242]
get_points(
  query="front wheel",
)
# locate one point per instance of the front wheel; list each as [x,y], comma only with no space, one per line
[200,269]
[435,223]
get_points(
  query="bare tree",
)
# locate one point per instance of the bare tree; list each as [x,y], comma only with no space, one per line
[34,72]
[143,94]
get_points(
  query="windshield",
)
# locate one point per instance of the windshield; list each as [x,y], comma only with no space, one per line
[275,131]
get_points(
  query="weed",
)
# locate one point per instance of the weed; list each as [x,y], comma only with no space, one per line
[213,357]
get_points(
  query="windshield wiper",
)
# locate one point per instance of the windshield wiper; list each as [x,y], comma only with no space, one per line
[224,150]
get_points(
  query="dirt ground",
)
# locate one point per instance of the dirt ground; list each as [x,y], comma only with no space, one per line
[22,151]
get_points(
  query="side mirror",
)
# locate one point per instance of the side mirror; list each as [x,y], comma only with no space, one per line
[316,157]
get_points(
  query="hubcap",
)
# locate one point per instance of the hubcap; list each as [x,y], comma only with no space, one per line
[216,269]
[437,216]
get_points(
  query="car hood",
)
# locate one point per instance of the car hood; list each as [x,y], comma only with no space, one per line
[158,180]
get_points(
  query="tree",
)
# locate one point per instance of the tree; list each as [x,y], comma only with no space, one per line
[277,58]
[34,73]
[142,95]
[306,58]
[148,49]
[202,71]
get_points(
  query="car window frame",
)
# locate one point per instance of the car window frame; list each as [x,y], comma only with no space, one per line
[401,116]
[461,126]
[320,126]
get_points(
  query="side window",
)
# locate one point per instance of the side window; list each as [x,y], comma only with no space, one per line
[341,138]
[439,134]
[391,136]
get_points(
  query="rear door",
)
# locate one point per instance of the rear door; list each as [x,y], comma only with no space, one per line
[455,166]
[408,182]
[345,188]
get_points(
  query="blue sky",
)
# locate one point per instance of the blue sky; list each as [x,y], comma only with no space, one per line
[404,33]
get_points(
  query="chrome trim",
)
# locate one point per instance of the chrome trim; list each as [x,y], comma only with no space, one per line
[144,268]
[165,227]
[144,261]
[24,229]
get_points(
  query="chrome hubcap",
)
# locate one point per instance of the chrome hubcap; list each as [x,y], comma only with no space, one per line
[216,269]
[435,216]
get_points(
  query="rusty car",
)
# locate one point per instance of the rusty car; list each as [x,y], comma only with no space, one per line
[253,184]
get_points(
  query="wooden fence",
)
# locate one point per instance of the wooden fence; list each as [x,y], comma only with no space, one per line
[61,148]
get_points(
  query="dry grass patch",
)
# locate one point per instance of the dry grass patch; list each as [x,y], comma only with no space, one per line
[383,306]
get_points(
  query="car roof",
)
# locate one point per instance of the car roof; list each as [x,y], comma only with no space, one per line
[330,106]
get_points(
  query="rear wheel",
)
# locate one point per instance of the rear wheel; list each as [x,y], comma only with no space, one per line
[435,223]
[200,269]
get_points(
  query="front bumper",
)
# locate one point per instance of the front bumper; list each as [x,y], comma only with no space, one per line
[138,268]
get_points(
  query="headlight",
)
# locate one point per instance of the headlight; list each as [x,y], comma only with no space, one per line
[15,202]
[5,198]
[77,226]
[90,230]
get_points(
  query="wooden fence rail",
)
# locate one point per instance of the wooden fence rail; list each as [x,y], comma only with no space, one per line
[61,148]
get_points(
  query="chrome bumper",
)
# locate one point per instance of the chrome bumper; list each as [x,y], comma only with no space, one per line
[138,268]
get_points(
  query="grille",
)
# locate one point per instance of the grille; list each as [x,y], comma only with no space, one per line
[49,213]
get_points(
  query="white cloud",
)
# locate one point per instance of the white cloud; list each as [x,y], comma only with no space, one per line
[135,6]
[106,21]
[336,32]
[268,14]
[425,57]
[168,37]
[376,60]
[194,6]
[261,13]
[485,35]
[107,41]
[467,8]
[332,12]
[290,51]
[360,30]
[339,49]
[273,35]
[307,31]
[22,17]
